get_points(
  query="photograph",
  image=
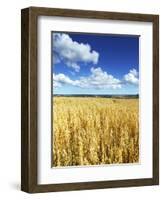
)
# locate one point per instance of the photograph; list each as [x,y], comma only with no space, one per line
[89,99]
[95,99]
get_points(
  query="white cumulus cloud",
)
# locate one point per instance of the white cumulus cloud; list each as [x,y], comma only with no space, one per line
[60,79]
[98,79]
[132,77]
[72,52]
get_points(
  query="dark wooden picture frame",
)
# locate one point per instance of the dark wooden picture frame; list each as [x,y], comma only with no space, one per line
[29,87]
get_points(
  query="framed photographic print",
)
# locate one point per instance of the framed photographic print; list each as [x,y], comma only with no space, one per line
[90,100]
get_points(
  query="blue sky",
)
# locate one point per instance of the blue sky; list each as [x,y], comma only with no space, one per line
[95,63]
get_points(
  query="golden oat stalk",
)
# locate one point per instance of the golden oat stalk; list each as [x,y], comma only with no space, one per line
[93,131]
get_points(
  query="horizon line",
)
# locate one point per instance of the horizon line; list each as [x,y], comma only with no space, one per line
[98,94]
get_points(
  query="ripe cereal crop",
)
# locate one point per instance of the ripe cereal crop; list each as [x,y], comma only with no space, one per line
[95,131]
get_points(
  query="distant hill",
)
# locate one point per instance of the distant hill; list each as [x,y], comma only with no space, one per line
[126,96]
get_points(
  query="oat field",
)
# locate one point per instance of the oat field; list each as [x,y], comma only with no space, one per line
[94,131]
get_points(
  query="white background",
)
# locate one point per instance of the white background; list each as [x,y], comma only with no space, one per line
[10,98]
